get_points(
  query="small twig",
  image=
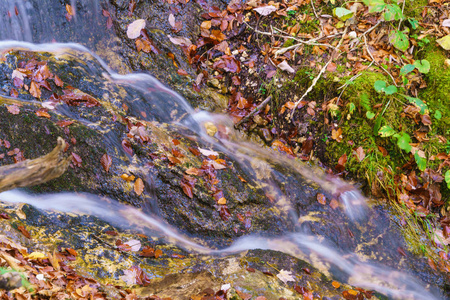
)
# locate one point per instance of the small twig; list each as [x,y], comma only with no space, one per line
[314,82]
[373,59]
[253,112]
[400,22]
[314,9]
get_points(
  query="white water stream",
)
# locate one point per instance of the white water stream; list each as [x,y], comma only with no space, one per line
[319,253]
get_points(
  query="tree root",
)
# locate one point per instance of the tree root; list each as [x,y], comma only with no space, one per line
[36,171]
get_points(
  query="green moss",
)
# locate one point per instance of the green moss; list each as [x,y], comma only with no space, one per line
[437,93]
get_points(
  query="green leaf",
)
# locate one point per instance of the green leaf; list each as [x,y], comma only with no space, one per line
[390,90]
[342,14]
[393,12]
[419,103]
[403,141]
[420,161]
[365,102]
[399,40]
[444,42]
[414,23]
[438,114]
[375,5]
[351,107]
[447,178]
[406,69]
[422,65]
[370,115]
[386,131]
[377,124]
[379,86]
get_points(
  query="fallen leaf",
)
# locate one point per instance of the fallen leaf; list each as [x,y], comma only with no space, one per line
[360,155]
[334,204]
[321,199]
[58,81]
[13,109]
[335,284]
[265,10]
[138,186]
[285,67]
[43,112]
[36,255]
[336,134]
[134,245]
[24,231]
[76,160]
[285,276]
[206,152]
[444,42]
[106,162]
[35,91]
[134,29]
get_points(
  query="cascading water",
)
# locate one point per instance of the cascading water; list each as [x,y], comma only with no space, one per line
[273,170]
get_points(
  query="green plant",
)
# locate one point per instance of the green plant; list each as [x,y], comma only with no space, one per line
[392,12]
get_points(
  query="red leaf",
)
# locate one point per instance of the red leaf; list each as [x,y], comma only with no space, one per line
[383,151]
[106,162]
[182,72]
[76,160]
[187,189]
[126,145]
[224,212]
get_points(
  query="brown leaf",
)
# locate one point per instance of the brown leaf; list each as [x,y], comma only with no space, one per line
[360,155]
[24,231]
[35,91]
[14,93]
[341,163]
[13,109]
[321,199]
[106,162]
[138,186]
[74,97]
[426,120]
[383,150]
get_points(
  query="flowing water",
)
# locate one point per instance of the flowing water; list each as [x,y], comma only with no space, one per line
[20,22]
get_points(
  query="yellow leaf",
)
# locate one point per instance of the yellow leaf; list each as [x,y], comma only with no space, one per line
[444,42]
[222,201]
[36,255]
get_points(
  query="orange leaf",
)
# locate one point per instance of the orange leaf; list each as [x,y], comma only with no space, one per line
[42,112]
[58,81]
[336,134]
[334,204]
[138,186]
[321,199]
[182,72]
[106,162]
[69,9]
[187,189]
[336,284]
[158,253]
